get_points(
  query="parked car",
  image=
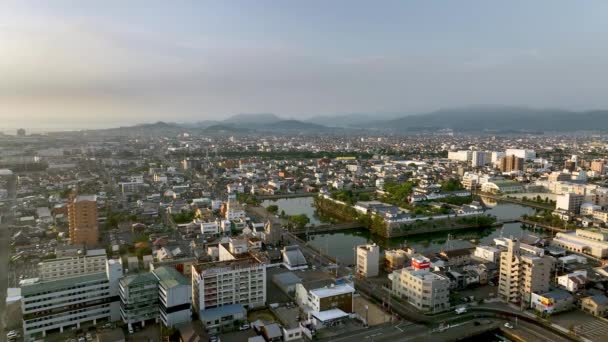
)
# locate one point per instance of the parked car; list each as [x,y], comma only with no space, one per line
[245,326]
[508,325]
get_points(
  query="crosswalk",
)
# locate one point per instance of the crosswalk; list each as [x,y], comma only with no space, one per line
[594,330]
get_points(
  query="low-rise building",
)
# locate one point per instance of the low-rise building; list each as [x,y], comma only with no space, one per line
[422,288]
[574,281]
[368,260]
[223,317]
[325,298]
[552,302]
[596,305]
[583,241]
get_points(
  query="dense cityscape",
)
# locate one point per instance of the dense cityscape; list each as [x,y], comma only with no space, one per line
[142,235]
[294,171]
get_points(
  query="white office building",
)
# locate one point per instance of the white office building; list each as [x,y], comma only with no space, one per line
[92,261]
[427,291]
[59,304]
[175,296]
[463,155]
[521,153]
[570,202]
[480,158]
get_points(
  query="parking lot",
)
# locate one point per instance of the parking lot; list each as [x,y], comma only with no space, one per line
[583,324]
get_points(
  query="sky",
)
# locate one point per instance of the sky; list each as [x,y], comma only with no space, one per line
[83,64]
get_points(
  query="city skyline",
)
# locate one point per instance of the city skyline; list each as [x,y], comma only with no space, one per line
[107,64]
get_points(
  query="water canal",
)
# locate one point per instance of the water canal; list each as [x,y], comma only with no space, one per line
[341,244]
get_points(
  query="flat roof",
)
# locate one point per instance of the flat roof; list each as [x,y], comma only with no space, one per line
[58,284]
[333,291]
[221,311]
[82,198]
[169,277]
[214,267]
[329,315]
[137,279]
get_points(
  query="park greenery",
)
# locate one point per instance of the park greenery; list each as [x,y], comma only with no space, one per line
[549,219]
[451,184]
[273,209]
[184,217]
[350,197]
[299,221]
[247,198]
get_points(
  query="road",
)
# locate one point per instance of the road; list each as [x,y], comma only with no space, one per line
[411,314]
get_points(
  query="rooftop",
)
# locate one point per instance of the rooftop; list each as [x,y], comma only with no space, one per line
[138,279]
[221,311]
[169,277]
[59,284]
[333,291]
[85,198]
[214,267]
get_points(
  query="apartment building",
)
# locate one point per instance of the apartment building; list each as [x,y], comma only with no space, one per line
[240,281]
[64,303]
[92,261]
[174,296]
[82,216]
[522,274]
[570,202]
[598,165]
[422,288]
[368,260]
[139,298]
[511,163]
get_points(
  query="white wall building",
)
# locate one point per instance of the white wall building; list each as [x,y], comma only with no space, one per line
[241,281]
[175,296]
[570,202]
[426,290]
[521,153]
[368,260]
[463,155]
[574,281]
[59,304]
[487,253]
[93,261]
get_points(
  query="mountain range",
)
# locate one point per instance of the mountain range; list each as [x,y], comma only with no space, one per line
[473,119]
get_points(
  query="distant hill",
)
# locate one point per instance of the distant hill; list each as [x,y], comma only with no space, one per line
[294,125]
[352,120]
[258,119]
[498,119]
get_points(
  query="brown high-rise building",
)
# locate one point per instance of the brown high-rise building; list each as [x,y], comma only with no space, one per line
[82,214]
[598,165]
[570,165]
[511,163]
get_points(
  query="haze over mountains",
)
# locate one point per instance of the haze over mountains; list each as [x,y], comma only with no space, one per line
[473,119]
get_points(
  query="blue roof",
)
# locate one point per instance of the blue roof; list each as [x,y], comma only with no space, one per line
[222,311]
[557,295]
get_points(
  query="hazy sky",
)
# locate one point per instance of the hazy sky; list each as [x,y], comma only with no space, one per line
[101,62]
